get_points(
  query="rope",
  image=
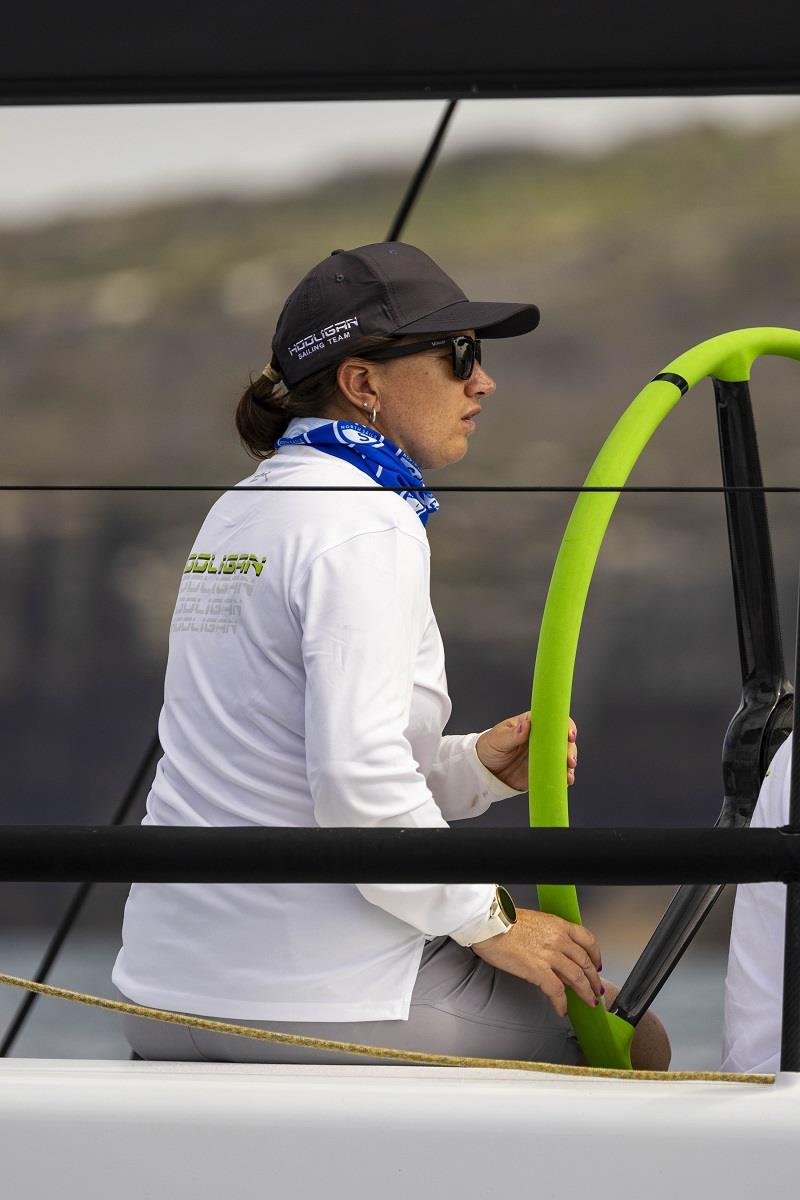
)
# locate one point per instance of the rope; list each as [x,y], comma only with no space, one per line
[408,1056]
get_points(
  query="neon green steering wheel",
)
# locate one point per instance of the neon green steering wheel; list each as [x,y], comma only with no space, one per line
[605,1038]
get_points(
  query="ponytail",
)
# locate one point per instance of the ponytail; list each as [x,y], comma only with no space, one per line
[267,406]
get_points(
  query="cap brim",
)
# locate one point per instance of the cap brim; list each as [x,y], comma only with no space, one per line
[491,319]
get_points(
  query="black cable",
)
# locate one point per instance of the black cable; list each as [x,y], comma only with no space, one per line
[718,489]
[421,174]
[75,905]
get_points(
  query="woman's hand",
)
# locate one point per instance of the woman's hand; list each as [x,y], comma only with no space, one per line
[550,952]
[503,750]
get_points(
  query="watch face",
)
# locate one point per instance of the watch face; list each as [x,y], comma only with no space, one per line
[507,904]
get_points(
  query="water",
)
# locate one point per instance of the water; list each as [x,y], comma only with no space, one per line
[690,1004]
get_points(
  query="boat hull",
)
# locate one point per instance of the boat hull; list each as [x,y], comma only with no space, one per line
[191,1131]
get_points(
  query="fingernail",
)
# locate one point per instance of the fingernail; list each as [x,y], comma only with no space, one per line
[600,967]
[596,1001]
[520,727]
[602,990]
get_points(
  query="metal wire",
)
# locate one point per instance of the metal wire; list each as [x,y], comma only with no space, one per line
[573,489]
[421,174]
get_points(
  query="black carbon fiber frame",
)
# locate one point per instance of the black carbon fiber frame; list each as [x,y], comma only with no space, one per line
[764,716]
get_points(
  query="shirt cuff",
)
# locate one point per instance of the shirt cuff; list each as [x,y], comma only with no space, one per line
[466,933]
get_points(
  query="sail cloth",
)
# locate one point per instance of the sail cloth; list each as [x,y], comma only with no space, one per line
[92,51]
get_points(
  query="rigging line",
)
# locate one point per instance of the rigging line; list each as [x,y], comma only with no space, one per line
[421,174]
[75,905]
[574,489]
[188,1021]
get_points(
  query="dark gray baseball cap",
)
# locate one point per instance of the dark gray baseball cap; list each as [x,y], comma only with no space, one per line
[387,289]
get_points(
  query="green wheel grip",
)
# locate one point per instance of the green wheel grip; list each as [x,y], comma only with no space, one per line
[604,1038]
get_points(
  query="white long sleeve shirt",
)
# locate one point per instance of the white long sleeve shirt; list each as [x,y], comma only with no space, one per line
[305,686]
[754,983]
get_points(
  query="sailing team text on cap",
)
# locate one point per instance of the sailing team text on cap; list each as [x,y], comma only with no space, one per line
[388,289]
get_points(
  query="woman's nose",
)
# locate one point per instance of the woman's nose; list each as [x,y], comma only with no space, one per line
[480,382]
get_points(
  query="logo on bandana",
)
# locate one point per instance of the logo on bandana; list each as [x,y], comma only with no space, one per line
[361,437]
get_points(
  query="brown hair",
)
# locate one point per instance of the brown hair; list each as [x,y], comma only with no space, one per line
[266,408]
[267,405]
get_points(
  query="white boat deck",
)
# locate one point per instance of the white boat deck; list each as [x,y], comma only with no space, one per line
[94,1130]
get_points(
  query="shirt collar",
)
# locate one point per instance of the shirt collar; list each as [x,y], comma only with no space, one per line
[299,425]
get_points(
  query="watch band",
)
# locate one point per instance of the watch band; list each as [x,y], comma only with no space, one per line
[502,916]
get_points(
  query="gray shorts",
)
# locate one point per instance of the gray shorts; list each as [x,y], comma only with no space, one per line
[460,1005]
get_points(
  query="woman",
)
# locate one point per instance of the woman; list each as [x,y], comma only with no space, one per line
[306,686]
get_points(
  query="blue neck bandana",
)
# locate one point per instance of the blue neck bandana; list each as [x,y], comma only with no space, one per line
[374,455]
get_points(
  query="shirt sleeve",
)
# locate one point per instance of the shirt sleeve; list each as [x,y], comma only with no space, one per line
[461,785]
[363,606]
[754,982]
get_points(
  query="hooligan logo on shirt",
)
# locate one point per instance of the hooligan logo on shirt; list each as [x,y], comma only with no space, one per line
[200,564]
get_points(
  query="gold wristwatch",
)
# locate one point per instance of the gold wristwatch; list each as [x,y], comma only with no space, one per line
[502,916]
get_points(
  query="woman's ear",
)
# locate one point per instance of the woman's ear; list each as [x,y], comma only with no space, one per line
[357,383]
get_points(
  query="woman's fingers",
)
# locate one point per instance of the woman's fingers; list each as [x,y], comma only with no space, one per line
[572,752]
[549,952]
[561,971]
[587,941]
[548,982]
[572,958]
[583,962]
[503,749]
[571,974]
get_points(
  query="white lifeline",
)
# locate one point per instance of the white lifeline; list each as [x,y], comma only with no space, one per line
[307,689]
[754,984]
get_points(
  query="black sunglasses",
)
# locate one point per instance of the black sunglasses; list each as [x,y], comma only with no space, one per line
[466,352]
